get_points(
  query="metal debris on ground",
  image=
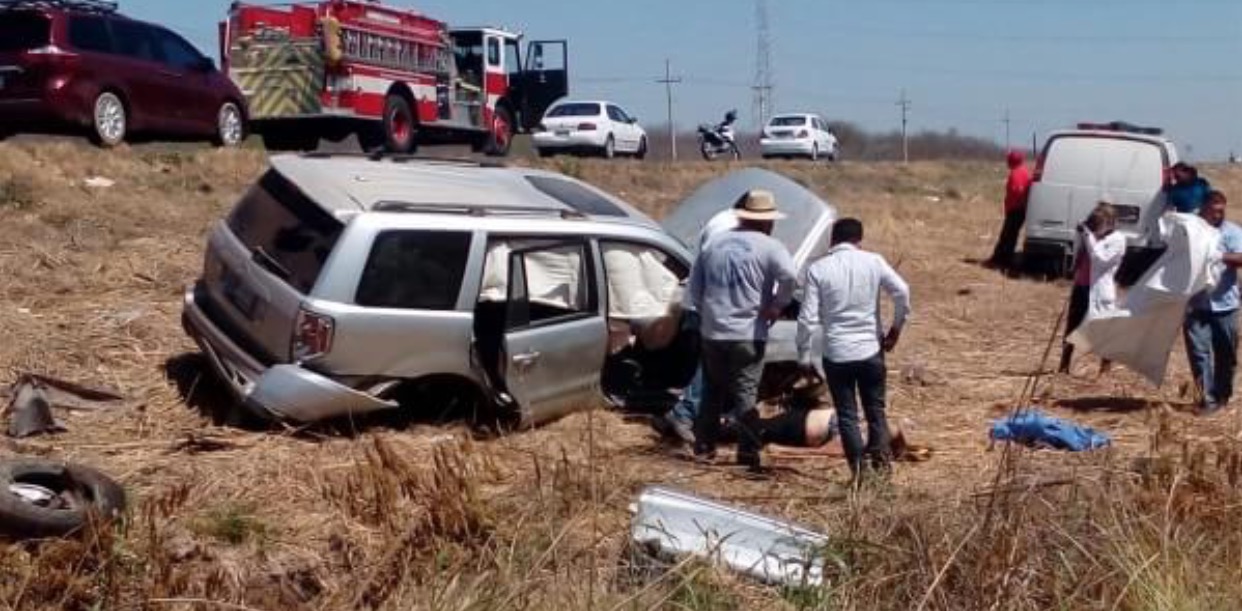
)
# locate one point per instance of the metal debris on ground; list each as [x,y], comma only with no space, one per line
[99,182]
[33,396]
[669,524]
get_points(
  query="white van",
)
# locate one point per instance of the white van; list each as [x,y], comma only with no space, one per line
[1128,165]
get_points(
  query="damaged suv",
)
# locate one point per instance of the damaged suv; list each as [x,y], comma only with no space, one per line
[343,285]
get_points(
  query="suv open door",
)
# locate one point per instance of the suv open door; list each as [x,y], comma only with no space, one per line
[544,79]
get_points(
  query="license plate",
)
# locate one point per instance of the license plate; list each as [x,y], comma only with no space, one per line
[562,132]
[242,298]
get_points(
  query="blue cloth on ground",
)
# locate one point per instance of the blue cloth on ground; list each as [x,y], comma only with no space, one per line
[1033,428]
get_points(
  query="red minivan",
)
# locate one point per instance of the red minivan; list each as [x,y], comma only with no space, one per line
[80,63]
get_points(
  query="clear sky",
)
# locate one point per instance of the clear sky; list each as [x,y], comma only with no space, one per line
[1176,64]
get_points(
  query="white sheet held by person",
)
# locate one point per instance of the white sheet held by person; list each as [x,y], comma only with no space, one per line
[1141,331]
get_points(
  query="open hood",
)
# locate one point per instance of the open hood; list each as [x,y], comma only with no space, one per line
[804,231]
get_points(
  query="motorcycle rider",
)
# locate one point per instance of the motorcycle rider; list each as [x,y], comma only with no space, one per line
[719,139]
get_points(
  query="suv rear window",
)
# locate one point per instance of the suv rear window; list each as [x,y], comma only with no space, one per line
[286,229]
[415,270]
[21,31]
[576,196]
[1110,163]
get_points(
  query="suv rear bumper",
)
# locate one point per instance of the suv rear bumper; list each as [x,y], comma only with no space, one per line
[281,392]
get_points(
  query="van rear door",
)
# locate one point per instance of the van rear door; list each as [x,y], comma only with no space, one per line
[263,262]
[1080,170]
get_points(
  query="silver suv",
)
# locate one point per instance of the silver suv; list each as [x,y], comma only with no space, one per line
[340,286]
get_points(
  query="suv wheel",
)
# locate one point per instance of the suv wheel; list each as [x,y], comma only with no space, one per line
[230,126]
[399,125]
[110,121]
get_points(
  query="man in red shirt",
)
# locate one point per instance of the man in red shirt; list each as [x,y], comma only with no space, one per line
[1016,191]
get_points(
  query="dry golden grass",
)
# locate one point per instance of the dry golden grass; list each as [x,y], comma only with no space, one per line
[427,518]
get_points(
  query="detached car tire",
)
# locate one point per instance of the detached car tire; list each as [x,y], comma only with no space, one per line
[41,499]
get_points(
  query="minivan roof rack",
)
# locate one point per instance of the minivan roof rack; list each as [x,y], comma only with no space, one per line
[407,158]
[482,210]
[89,6]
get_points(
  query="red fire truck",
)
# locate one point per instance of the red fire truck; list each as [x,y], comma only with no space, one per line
[390,75]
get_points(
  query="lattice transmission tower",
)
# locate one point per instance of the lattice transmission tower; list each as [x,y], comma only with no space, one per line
[764,86]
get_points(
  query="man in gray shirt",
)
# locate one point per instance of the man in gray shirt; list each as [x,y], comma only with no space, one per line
[741,282]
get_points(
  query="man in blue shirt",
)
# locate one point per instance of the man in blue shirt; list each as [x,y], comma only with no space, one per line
[1189,191]
[1212,322]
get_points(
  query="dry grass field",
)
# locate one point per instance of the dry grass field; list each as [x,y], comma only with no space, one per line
[430,517]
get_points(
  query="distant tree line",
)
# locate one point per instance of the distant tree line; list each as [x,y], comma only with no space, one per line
[857,144]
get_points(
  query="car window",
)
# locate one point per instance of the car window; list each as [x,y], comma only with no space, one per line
[276,220]
[556,283]
[177,52]
[493,52]
[137,41]
[577,196]
[643,281]
[615,114]
[90,34]
[415,270]
[1109,163]
[513,63]
[20,31]
[575,109]
[787,122]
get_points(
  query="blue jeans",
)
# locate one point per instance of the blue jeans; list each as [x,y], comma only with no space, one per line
[1212,347]
[866,381]
[687,408]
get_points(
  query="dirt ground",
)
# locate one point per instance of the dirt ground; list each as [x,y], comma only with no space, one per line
[91,281]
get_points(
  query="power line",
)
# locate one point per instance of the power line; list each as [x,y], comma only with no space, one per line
[668,81]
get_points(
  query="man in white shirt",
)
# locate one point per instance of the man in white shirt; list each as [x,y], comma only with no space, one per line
[740,283]
[842,297]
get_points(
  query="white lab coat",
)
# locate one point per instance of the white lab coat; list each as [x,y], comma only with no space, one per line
[1105,257]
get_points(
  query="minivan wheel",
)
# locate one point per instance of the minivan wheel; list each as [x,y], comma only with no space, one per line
[230,126]
[110,121]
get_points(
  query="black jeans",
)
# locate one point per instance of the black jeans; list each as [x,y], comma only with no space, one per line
[731,373]
[1007,243]
[865,380]
[1079,303]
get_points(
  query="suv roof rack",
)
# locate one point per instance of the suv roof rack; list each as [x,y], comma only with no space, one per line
[86,6]
[407,158]
[396,206]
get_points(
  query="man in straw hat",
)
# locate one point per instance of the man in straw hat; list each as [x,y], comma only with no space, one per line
[842,300]
[741,282]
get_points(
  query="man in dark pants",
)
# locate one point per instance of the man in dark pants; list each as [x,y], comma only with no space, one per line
[1211,327]
[1017,190]
[842,299]
[739,285]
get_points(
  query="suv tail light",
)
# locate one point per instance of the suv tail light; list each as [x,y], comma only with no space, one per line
[51,56]
[312,335]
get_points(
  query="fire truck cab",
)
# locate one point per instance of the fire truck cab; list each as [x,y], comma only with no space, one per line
[393,77]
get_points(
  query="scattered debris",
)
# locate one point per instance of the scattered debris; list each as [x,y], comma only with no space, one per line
[30,413]
[99,182]
[1035,429]
[33,396]
[41,498]
[918,374]
[671,524]
[199,443]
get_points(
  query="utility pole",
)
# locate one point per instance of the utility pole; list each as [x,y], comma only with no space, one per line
[904,103]
[763,86]
[668,81]
[1006,120]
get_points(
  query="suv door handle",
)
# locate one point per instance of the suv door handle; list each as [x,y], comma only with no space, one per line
[526,359]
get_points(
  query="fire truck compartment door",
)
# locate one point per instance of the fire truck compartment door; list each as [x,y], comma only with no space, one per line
[546,77]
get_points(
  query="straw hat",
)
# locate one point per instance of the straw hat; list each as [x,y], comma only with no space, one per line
[759,205]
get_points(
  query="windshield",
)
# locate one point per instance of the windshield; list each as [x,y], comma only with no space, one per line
[788,122]
[576,109]
[804,231]
[21,31]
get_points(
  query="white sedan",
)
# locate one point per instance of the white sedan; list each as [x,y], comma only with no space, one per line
[798,135]
[595,127]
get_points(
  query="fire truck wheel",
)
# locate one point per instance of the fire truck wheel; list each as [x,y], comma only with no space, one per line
[399,125]
[500,136]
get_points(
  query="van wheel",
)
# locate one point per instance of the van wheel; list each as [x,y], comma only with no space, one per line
[399,125]
[110,121]
[230,126]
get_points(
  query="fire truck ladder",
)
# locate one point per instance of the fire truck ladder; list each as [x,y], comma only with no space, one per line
[87,6]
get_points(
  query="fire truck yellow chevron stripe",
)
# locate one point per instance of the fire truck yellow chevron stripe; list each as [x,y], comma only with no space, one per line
[280,80]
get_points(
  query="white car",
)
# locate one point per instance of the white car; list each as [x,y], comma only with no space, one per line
[597,127]
[798,135]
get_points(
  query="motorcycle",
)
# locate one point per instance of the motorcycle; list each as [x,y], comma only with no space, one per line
[719,139]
